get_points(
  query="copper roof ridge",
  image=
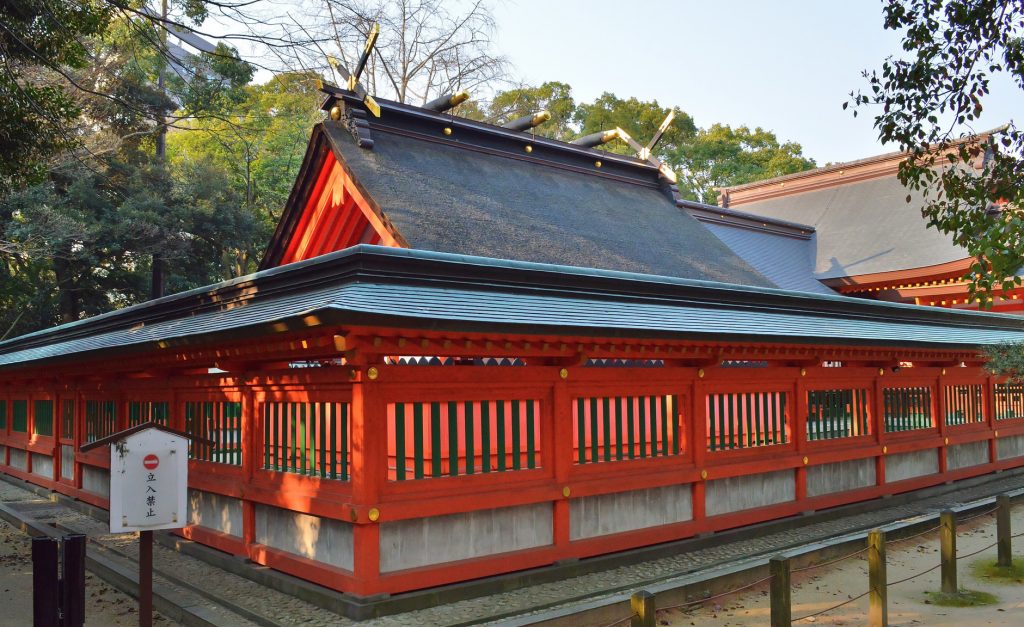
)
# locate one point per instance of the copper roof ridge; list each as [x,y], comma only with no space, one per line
[732,217]
[896,155]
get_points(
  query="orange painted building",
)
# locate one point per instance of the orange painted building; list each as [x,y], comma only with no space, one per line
[473,351]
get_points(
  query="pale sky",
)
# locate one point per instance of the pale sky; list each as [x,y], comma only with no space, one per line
[784,65]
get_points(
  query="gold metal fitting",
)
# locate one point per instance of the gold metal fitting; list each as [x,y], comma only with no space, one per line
[372,373]
[336,112]
[881,372]
[563,373]
[885,449]
[943,371]
[528,148]
[806,460]
[374,514]
[997,434]
[447,130]
[458,98]
[703,474]
[540,117]
[803,372]
[947,440]
[700,373]
[597,164]
[566,491]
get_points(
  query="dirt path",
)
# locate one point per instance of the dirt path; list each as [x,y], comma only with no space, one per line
[817,589]
[104,606]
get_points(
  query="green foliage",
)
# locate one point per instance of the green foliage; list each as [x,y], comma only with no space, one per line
[926,102]
[1006,360]
[721,156]
[638,118]
[989,570]
[39,42]
[259,148]
[962,598]
[554,97]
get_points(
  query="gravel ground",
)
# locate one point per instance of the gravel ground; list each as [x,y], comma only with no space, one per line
[287,610]
[818,589]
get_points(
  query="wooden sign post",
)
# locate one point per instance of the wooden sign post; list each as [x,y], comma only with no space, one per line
[148,491]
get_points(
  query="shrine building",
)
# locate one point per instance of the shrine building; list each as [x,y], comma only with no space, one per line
[471,350]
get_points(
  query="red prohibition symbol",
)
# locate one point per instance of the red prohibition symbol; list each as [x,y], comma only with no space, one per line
[151,461]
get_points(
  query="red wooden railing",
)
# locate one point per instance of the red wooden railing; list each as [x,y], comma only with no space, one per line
[414,442]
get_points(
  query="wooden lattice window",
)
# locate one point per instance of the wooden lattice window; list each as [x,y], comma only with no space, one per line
[1009,401]
[907,408]
[625,427]
[964,404]
[42,419]
[309,439]
[67,417]
[747,420]
[19,416]
[219,422]
[833,414]
[140,412]
[453,438]
[100,419]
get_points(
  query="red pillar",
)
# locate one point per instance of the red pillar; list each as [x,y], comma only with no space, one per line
[369,473]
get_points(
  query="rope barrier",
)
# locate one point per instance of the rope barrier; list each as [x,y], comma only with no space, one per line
[716,596]
[621,621]
[828,563]
[986,513]
[917,535]
[893,583]
[960,557]
[834,607]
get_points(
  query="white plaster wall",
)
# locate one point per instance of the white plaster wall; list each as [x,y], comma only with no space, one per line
[902,466]
[965,455]
[96,480]
[624,511]
[19,459]
[67,461]
[321,539]
[42,465]
[1012,446]
[738,493]
[425,541]
[840,476]
[215,511]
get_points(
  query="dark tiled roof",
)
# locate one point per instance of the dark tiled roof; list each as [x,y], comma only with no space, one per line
[787,261]
[478,192]
[863,227]
[420,289]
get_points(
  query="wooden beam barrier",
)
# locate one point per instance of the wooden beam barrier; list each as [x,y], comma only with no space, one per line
[947,541]
[878,611]
[644,611]
[1003,532]
[781,601]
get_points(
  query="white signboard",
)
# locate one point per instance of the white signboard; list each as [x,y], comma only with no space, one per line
[148,482]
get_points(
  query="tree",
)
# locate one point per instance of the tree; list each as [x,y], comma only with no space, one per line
[638,118]
[721,156]
[926,102]
[553,97]
[424,50]
[38,40]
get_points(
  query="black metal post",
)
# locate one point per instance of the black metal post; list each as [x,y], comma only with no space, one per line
[73,580]
[145,579]
[45,583]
